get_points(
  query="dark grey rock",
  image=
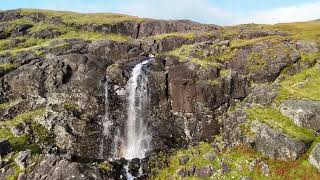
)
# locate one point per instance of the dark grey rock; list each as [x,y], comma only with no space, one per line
[183,173]
[204,172]
[21,29]
[47,34]
[53,167]
[5,147]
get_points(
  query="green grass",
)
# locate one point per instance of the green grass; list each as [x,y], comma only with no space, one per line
[310,90]
[168,35]
[19,143]
[184,54]
[238,158]
[94,36]
[308,31]
[8,67]
[276,120]
[80,18]
[28,116]
[70,106]
[247,42]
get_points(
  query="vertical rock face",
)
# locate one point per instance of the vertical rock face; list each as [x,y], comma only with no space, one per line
[304,113]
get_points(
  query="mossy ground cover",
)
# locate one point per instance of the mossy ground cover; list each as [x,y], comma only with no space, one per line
[238,159]
[80,18]
[30,43]
[8,67]
[184,54]
[304,85]
[275,119]
[23,142]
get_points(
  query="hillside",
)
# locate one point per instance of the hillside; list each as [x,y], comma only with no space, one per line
[77,91]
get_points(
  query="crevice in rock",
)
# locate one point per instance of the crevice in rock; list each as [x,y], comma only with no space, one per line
[138,31]
[67,75]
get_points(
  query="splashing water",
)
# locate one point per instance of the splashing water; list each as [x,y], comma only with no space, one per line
[137,140]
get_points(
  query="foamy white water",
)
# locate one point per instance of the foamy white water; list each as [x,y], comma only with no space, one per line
[137,141]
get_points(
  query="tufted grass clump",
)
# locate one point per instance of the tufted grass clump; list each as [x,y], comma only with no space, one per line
[304,85]
[275,119]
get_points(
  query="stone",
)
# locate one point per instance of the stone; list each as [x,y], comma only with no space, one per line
[304,113]
[52,167]
[184,160]
[21,129]
[134,166]
[210,157]
[204,172]
[264,169]
[275,144]
[23,159]
[225,167]
[21,29]
[5,147]
[314,157]
[47,34]
[183,173]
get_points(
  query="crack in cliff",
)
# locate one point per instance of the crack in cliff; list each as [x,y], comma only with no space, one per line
[138,30]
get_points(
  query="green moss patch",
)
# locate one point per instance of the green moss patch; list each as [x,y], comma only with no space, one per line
[8,67]
[28,116]
[304,85]
[275,119]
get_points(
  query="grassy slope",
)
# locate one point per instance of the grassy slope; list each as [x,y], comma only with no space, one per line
[81,18]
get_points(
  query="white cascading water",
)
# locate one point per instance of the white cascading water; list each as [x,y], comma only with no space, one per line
[137,140]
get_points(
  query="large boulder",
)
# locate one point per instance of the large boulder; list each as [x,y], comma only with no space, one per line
[53,167]
[314,157]
[304,113]
[275,144]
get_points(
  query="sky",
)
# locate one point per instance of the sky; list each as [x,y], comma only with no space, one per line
[221,12]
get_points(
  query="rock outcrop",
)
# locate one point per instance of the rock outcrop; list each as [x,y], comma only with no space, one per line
[304,113]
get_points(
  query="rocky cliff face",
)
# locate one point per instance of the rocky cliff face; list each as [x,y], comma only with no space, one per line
[225,94]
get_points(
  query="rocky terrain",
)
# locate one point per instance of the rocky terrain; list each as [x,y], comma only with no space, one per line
[240,102]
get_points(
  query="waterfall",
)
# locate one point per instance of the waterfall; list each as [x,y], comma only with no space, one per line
[106,123]
[137,139]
